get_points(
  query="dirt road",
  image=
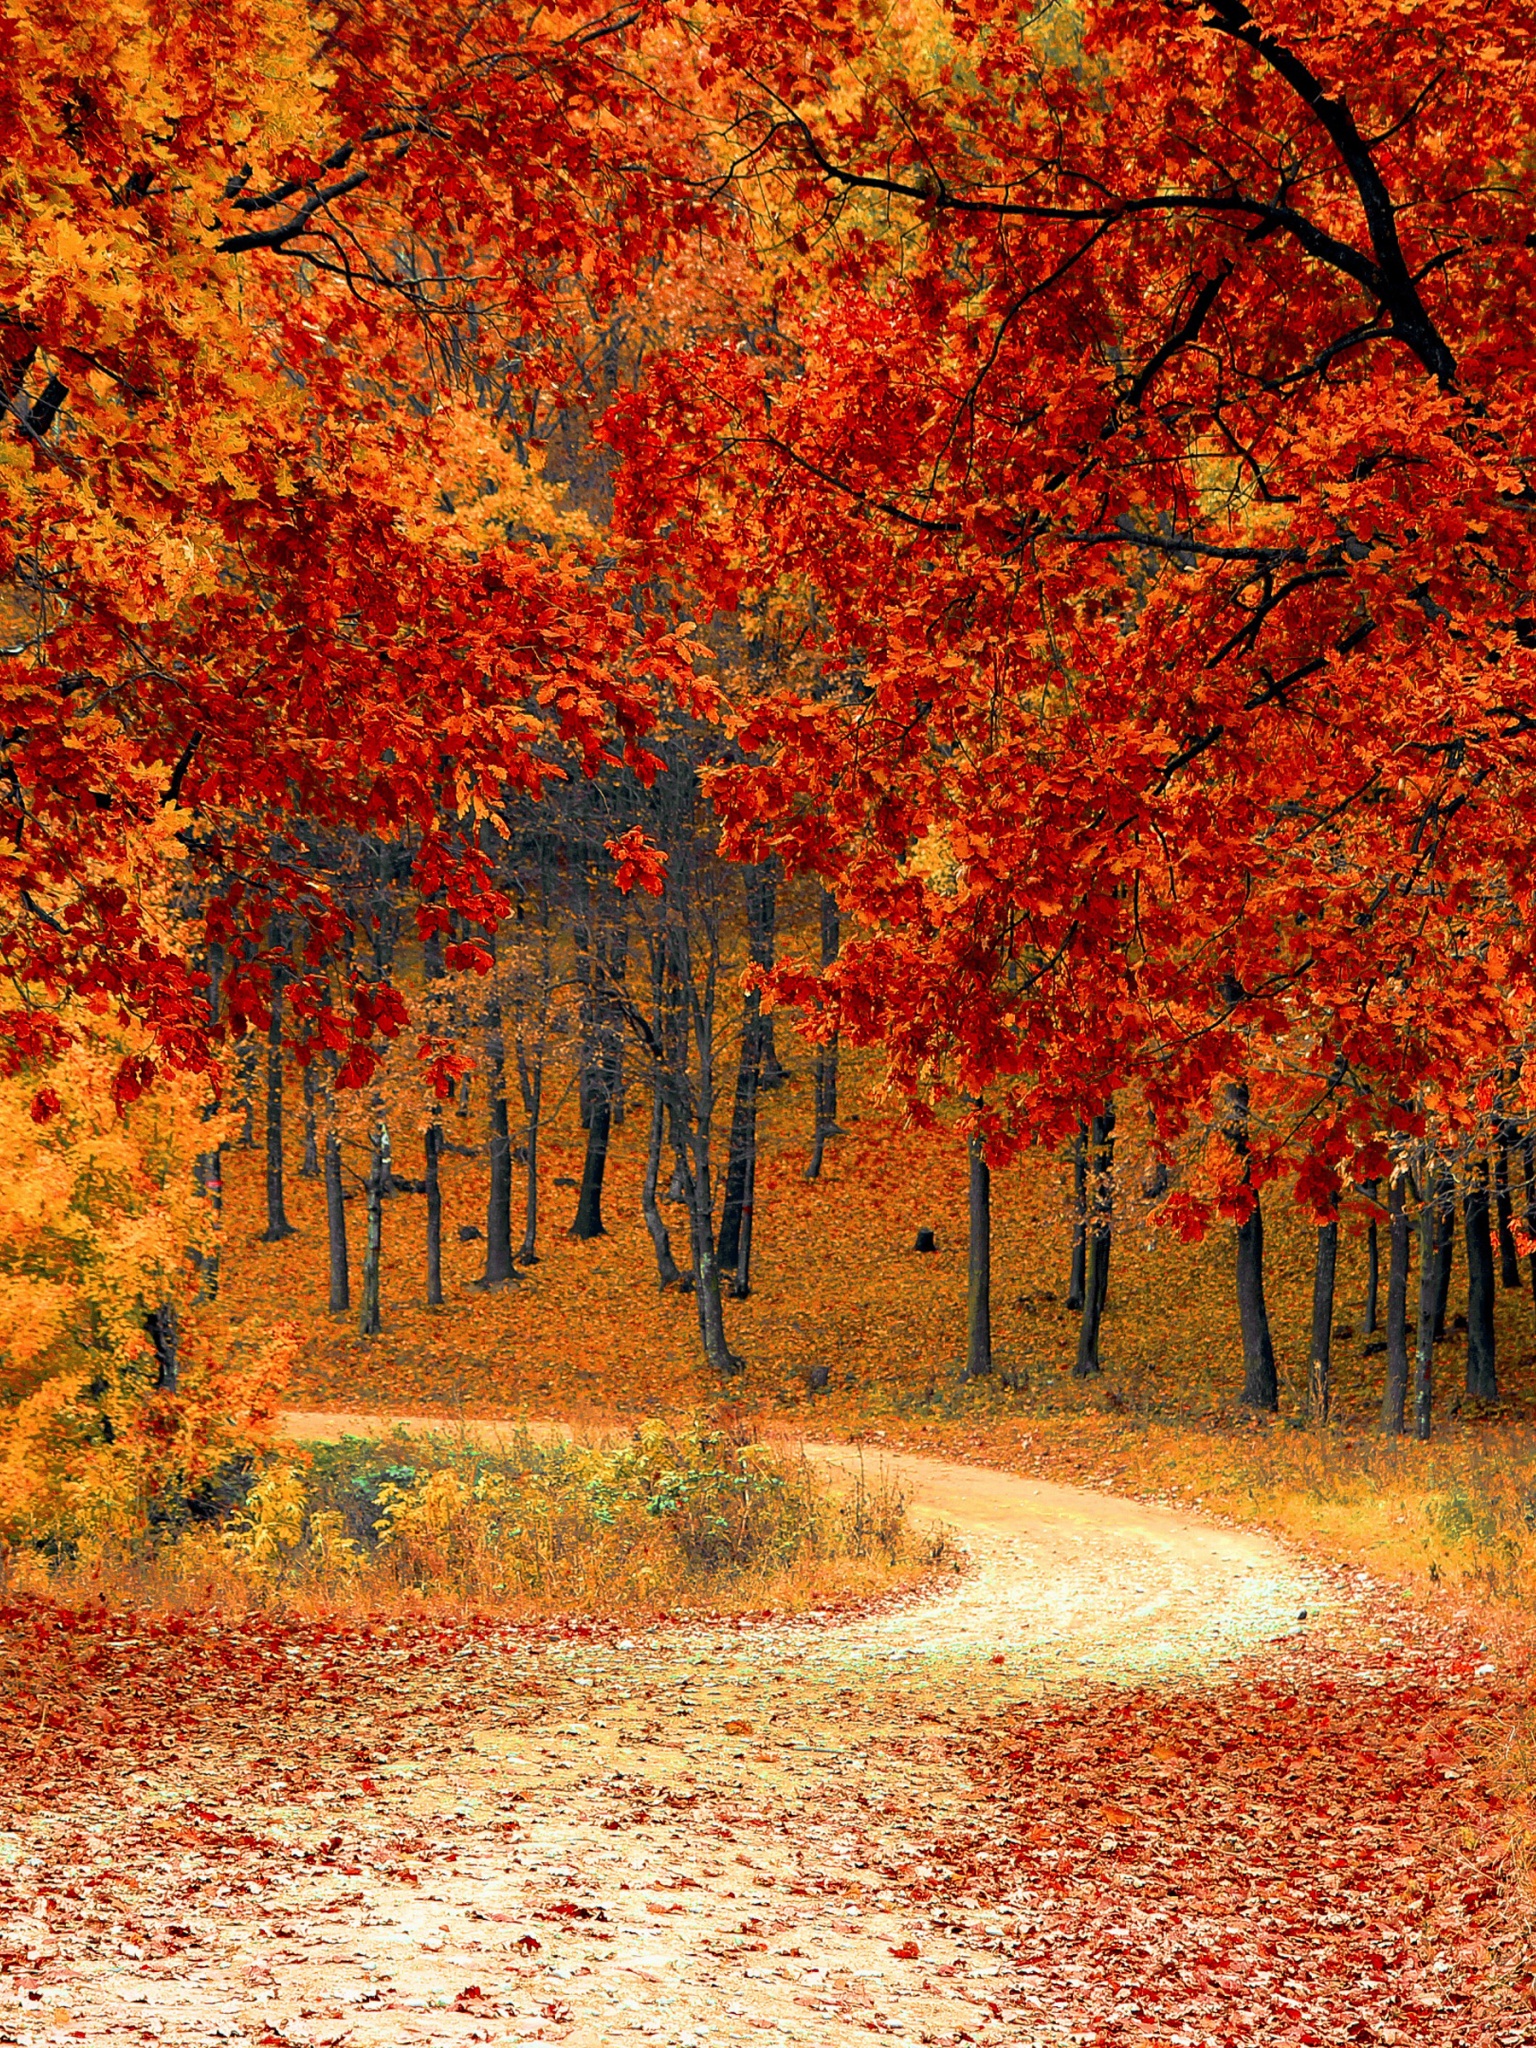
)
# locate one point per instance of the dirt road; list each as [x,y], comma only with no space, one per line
[688,1836]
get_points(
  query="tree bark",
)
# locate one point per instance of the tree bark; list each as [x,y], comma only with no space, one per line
[1432,1259]
[1098,1229]
[589,1202]
[1078,1276]
[693,1109]
[309,1165]
[600,1076]
[1320,1366]
[530,1074]
[208,1171]
[1399,1241]
[826,1055]
[278,1226]
[1154,1176]
[741,1279]
[667,1270]
[706,1270]
[978,1264]
[336,1227]
[530,1078]
[665,1044]
[1528,1148]
[741,1156]
[1261,1386]
[370,1318]
[1368,1321]
[433,1146]
[1482,1371]
[1509,1258]
[246,1060]
[762,942]
[1445,1246]
[162,1327]
[499,1268]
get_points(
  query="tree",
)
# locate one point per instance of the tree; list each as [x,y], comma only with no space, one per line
[1482,1371]
[1099,1236]
[1169,537]
[1399,1243]
[283,297]
[978,1260]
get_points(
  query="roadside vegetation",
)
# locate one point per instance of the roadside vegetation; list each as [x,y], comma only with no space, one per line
[692,1515]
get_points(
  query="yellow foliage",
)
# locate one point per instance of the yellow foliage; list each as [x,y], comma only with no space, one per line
[101,1224]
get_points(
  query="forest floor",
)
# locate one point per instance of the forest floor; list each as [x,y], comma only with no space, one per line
[1135,1777]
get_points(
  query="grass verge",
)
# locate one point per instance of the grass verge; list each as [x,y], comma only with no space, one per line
[671,1517]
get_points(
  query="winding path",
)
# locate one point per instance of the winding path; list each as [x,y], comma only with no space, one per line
[704,1816]
[695,1836]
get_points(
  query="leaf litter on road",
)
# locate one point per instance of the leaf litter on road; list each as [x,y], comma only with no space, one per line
[272,1829]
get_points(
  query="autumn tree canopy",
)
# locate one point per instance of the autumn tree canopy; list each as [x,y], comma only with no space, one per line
[1147,407]
[287,298]
[1126,406]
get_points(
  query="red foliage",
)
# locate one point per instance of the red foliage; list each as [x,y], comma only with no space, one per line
[1152,425]
[1308,1850]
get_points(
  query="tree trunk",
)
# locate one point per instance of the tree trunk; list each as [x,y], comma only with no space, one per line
[530,1074]
[1509,1258]
[530,1077]
[1445,1246]
[309,1165]
[1261,1386]
[210,1178]
[741,1279]
[246,1060]
[978,1264]
[370,1319]
[1482,1372]
[1528,1147]
[694,988]
[600,1077]
[706,1271]
[1399,1241]
[581,941]
[499,1268]
[1154,1175]
[667,1270]
[826,1055]
[278,1226]
[762,943]
[1077,1278]
[589,1203]
[1431,1261]
[1098,1229]
[741,1156]
[1368,1321]
[434,1151]
[161,1326]
[1319,1373]
[208,1171]
[336,1227]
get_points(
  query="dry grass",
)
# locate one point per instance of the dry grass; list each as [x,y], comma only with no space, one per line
[1458,1513]
[669,1518]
